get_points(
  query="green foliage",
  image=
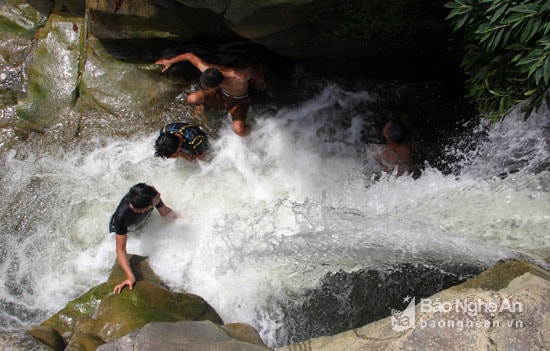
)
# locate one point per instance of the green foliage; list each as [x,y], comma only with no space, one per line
[507,52]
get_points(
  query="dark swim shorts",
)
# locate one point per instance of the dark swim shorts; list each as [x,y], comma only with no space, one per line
[236,106]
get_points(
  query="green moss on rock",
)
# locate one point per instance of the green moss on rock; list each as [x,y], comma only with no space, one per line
[99,315]
[48,336]
[23,18]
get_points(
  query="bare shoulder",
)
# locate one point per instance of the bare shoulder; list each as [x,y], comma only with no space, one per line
[233,72]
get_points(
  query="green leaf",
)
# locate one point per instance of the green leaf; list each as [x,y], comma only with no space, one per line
[529,60]
[530,30]
[530,92]
[546,71]
[526,9]
[496,40]
[538,76]
[516,20]
[451,5]
[460,23]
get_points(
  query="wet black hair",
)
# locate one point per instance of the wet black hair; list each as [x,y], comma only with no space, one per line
[211,78]
[166,145]
[397,132]
[142,195]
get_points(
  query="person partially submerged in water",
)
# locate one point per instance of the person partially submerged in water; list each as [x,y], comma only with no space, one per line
[396,154]
[224,88]
[183,140]
[132,211]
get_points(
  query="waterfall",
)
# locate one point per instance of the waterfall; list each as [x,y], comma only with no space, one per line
[269,215]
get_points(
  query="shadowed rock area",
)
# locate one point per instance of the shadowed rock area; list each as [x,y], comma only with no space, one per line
[504,308]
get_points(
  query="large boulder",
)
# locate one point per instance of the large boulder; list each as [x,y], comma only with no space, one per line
[369,296]
[20,341]
[19,22]
[370,36]
[64,73]
[136,22]
[504,308]
[52,70]
[191,336]
[256,19]
[99,316]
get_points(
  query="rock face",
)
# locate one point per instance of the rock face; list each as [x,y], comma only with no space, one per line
[20,341]
[99,316]
[72,68]
[348,300]
[345,35]
[192,336]
[504,308]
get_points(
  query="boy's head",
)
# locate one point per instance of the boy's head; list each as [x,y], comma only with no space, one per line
[142,195]
[211,78]
[395,131]
[166,145]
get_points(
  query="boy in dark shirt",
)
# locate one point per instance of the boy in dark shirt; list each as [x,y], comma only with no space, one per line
[181,139]
[134,208]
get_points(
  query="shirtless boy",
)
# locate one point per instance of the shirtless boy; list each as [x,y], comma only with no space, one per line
[225,88]
[397,150]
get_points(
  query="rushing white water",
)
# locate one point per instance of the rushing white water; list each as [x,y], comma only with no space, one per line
[266,215]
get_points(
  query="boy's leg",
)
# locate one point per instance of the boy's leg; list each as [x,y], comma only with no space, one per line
[196,100]
[240,128]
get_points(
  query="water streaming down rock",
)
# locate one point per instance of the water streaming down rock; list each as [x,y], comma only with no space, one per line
[272,220]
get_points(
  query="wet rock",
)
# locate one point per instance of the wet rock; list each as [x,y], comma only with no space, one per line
[348,300]
[48,336]
[99,58]
[138,22]
[504,308]
[20,341]
[52,72]
[99,316]
[193,336]
[368,36]
[23,18]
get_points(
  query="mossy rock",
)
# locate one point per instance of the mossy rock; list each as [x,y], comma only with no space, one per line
[81,308]
[99,315]
[52,69]
[84,342]
[141,268]
[23,18]
[48,336]
[148,302]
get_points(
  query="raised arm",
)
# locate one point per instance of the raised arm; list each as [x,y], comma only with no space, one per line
[192,58]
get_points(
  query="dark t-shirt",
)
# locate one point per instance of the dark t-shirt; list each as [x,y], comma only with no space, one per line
[124,219]
[194,138]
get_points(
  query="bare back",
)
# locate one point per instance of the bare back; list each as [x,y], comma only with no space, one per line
[236,81]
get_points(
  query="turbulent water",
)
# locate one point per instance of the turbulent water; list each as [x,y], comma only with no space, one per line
[269,215]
